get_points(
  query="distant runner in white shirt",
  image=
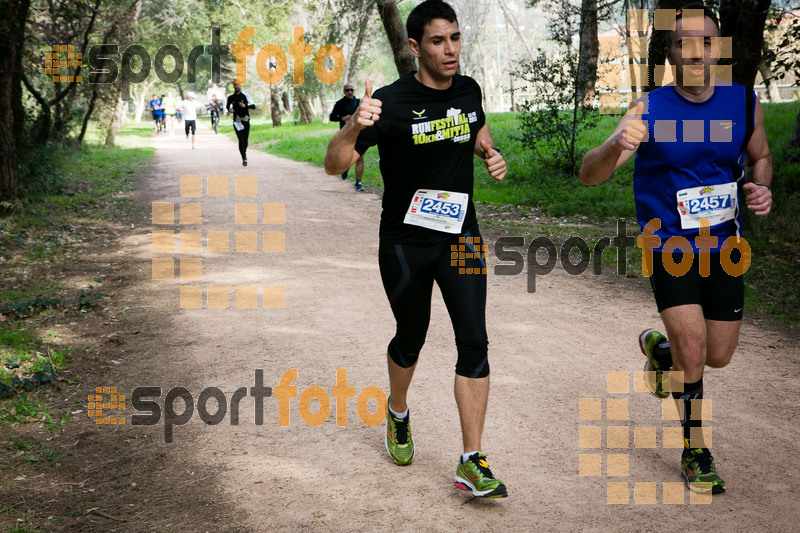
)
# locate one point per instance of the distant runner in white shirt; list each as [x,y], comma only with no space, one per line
[189,107]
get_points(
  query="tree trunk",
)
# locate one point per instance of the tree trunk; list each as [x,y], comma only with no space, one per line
[138,107]
[303,101]
[88,115]
[643,84]
[514,106]
[8,152]
[116,119]
[287,105]
[45,115]
[275,106]
[323,108]
[513,21]
[118,115]
[771,83]
[45,119]
[355,54]
[587,55]
[398,38]
[139,94]
[58,121]
[13,16]
[744,22]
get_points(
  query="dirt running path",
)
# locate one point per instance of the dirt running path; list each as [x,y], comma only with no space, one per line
[548,350]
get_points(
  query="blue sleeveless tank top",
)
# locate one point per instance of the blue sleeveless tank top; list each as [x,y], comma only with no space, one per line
[690,145]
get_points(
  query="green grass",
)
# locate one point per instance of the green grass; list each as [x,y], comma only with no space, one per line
[530,183]
[55,222]
[524,185]
[15,339]
[34,455]
[22,409]
[95,184]
[21,526]
[306,143]
[772,284]
[132,135]
[22,369]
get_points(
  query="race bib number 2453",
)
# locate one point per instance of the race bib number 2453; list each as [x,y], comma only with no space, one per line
[438,210]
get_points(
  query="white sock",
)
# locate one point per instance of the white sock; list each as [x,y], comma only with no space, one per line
[465,456]
[399,415]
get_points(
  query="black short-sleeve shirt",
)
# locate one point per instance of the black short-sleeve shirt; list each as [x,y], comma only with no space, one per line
[239,111]
[426,140]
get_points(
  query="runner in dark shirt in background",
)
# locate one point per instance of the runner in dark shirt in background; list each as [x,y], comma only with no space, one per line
[342,111]
[239,104]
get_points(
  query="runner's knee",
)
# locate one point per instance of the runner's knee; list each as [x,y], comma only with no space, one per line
[719,358]
[473,357]
[405,353]
[691,352]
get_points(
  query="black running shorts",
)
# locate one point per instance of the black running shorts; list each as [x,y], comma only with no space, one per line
[720,295]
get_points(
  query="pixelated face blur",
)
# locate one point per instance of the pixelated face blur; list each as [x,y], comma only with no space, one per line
[693,49]
[439,50]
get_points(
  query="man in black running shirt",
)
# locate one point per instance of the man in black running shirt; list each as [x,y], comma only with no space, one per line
[342,110]
[239,104]
[428,125]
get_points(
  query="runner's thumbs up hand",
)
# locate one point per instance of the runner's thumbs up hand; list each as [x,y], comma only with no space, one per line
[634,131]
[495,163]
[369,109]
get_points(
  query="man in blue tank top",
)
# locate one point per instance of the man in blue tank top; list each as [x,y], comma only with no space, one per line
[693,140]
